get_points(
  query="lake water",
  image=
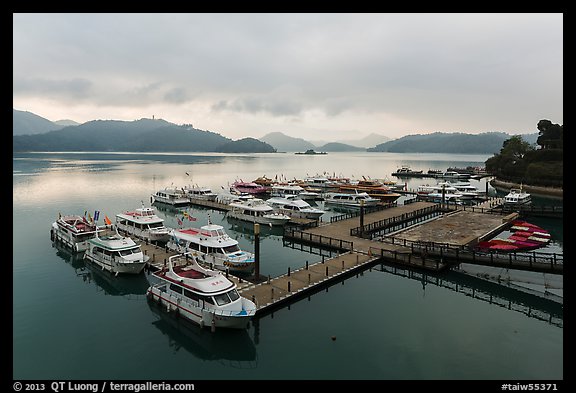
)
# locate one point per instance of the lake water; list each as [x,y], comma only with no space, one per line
[73,322]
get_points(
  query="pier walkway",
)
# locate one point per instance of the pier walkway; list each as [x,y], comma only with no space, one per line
[275,291]
[424,235]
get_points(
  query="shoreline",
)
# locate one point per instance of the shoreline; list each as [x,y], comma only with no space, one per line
[551,192]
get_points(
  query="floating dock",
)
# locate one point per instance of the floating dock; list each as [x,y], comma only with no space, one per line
[421,235]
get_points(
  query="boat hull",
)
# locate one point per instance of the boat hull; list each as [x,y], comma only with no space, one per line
[65,238]
[117,267]
[152,236]
[197,313]
[265,220]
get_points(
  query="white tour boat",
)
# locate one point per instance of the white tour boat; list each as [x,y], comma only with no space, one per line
[212,245]
[517,197]
[171,196]
[74,231]
[201,193]
[143,223]
[203,296]
[344,199]
[282,190]
[116,253]
[258,211]
[293,206]
[467,190]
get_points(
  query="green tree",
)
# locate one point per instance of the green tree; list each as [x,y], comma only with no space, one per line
[550,135]
[510,161]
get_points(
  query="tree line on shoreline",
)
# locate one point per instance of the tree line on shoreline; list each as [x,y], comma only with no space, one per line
[521,162]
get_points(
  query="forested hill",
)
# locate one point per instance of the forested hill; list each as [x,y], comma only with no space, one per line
[143,135]
[438,142]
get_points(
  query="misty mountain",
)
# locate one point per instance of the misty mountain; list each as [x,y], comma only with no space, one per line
[27,123]
[368,141]
[115,135]
[282,142]
[66,123]
[335,147]
[247,145]
[438,142]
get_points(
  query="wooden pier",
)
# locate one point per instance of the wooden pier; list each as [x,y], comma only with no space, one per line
[421,235]
[426,236]
[276,291]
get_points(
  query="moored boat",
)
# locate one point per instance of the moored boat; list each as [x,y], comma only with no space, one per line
[258,211]
[293,206]
[144,224]
[200,193]
[171,196]
[74,231]
[116,253]
[405,171]
[250,188]
[345,199]
[203,296]
[212,245]
[517,197]
[374,188]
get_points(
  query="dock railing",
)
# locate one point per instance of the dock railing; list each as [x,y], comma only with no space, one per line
[367,231]
[325,241]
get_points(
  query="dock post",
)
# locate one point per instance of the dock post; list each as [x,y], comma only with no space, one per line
[342,264]
[361,217]
[257,251]
[289,286]
[326,271]
[308,278]
[272,293]
[306,265]
[288,271]
[357,256]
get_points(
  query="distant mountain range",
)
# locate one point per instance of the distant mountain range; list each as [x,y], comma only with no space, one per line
[368,141]
[144,135]
[24,123]
[35,133]
[456,142]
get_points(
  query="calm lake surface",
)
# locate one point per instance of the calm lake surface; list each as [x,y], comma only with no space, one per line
[74,322]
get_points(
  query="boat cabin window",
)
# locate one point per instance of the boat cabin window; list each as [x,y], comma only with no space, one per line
[207,299]
[83,236]
[191,295]
[155,225]
[222,299]
[233,295]
[193,246]
[129,251]
[176,288]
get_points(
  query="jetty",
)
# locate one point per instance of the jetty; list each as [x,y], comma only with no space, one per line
[422,236]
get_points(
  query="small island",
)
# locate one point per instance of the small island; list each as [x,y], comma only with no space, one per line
[311,152]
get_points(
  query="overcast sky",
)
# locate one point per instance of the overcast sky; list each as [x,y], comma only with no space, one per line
[315,76]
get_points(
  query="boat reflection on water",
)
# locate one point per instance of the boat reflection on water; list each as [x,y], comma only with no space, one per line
[133,286]
[168,209]
[247,228]
[230,347]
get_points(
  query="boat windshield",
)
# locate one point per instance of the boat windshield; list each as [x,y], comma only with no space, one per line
[129,251]
[227,297]
[231,249]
